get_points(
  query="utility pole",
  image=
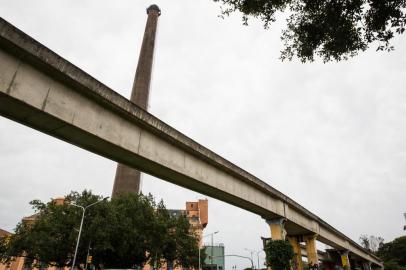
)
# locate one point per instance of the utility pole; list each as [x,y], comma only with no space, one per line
[128,179]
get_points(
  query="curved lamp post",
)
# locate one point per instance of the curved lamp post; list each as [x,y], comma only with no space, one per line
[81,225]
[233,255]
[256,252]
[210,234]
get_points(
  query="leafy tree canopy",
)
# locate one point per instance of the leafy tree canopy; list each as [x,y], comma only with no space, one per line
[331,29]
[371,242]
[128,231]
[393,265]
[278,254]
[394,253]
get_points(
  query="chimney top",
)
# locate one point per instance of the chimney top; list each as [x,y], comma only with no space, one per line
[154,8]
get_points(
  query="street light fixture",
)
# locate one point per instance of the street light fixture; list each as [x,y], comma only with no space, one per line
[81,225]
[211,234]
[199,245]
[256,252]
[251,251]
[239,256]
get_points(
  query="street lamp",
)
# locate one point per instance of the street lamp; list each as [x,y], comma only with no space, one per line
[251,251]
[256,252]
[81,225]
[212,234]
[239,256]
[200,267]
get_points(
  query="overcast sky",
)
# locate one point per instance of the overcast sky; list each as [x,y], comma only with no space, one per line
[330,136]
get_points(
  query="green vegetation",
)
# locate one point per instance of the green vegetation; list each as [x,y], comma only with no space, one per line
[330,29]
[372,242]
[126,232]
[279,253]
[394,254]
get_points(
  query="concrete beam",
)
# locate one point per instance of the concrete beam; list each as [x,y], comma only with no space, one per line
[40,89]
[321,254]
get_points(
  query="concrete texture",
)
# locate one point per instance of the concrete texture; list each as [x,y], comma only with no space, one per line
[128,179]
[42,90]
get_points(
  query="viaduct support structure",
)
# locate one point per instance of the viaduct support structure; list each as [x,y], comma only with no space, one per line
[316,259]
[40,89]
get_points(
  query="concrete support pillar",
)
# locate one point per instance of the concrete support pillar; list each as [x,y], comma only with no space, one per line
[355,264]
[366,266]
[345,260]
[278,232]
[277,226]
[311,250]
[297,260]
[128,179]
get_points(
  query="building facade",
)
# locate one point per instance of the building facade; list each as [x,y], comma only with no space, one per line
[215,259]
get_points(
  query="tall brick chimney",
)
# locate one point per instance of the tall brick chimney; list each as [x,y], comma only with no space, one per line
[128,179]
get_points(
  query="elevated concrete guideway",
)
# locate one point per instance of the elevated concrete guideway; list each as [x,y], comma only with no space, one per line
[40,89]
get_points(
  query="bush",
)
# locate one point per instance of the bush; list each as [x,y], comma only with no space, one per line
[279,253]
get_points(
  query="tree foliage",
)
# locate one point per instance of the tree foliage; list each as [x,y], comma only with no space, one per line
[51,237]
[172,240]
[331,29]
[371,242]
[279,253]
[128,231]
[394,253]
[393,265]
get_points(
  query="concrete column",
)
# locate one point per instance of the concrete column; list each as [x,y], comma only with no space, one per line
[128,179]
[278,232]
[297,260]
[311,250]
[345,260]
[277,226]
[334,256]
[366,265]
